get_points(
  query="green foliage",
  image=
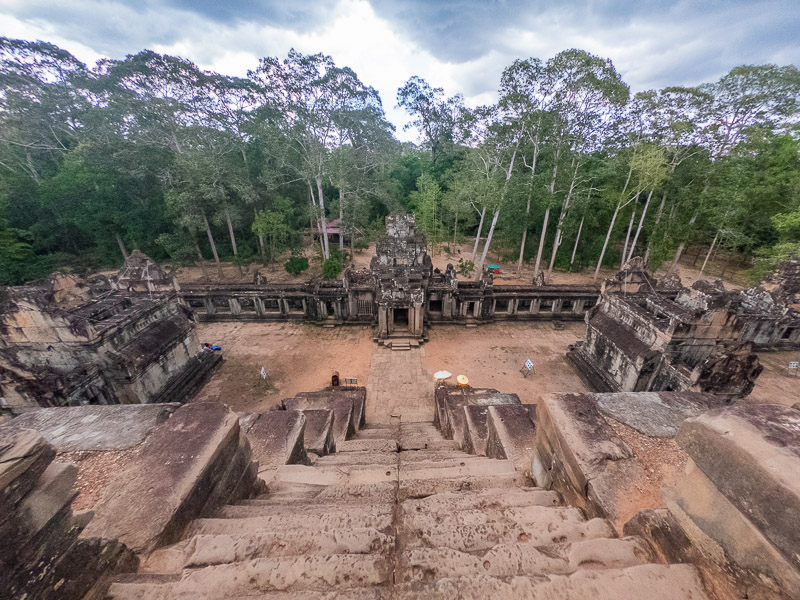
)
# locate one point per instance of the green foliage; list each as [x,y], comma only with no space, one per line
[272,226]
[175,160]
[465,267]
[332,267]
[426,202]
[296,265]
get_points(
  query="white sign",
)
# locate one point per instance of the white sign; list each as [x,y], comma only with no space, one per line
[263,373]
[186,342]
[529,364]
[793,365]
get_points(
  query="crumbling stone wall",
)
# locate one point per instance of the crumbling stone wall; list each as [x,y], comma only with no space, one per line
[645,336]
[64,343]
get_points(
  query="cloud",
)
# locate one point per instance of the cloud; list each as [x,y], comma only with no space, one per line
[460,45]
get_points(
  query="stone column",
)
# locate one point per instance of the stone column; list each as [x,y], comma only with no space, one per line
[383,326]
[417,313]
[236,308]
[535,304]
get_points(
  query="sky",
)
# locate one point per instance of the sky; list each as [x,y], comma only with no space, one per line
[462,46]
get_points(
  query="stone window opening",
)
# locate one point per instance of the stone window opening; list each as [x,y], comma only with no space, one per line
[524,305]
[271,305]
[435,306]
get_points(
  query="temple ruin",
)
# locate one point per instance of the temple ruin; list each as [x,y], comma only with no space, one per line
[664,481]
[68,342]
[649,335]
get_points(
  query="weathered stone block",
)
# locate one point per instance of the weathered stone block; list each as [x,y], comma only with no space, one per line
[578,454]
[318,437]
[342,407]
[751,453]
[24,456]
[729,540]
[276,438]
[168,483]
[79,428]
[512,434]
[657,414]
[476,430]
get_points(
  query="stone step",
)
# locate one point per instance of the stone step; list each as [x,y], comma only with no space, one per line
[382,433]
[484,499]
[466,465]
[421,488]
[510,560]
[358,493]
[336,475]
[422,442]
[217,549]
[407,456]
[485,535]
[360,515]
[417,425]
[359,458]
[366,446]
[665,582]
[522,515]
[369,593]
[294,574]
[240,511]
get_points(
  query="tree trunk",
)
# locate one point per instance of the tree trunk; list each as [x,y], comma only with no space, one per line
[233,243]
[627,239]
[352,249]
[261,247]
[613,220]
[122,247]
[541,243]
[341,221]
[708,255]
[560,225]
[488,241]
[455,231]
[681,246]
[319,223]
[577,239]
[641,223]
[230,232]
[202,261]
[478,236]
[213,247]
[527,208]
[605,243]
[323,220]
[547,213]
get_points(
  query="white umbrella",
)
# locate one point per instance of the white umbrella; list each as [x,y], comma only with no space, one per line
[442,374]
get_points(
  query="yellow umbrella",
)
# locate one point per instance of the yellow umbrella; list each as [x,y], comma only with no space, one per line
[462,380]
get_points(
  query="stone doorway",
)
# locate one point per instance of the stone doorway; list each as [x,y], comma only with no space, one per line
[400,316]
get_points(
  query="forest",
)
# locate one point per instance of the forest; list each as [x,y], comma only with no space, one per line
[568,170]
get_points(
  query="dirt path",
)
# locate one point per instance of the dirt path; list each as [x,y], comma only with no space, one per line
[399,386]
[297,358]
[492,356]
[777,384]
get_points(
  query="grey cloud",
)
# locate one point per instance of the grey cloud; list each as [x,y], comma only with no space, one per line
[295,13]
[467,29]
[120,27]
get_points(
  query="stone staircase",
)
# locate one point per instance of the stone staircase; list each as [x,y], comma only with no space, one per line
[400,512]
